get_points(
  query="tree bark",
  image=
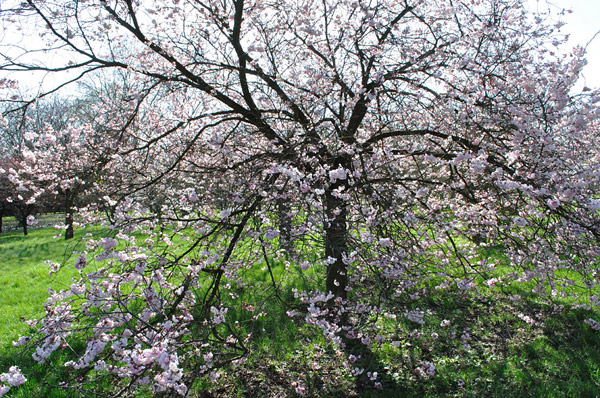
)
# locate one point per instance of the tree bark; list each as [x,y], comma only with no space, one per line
[285,224]
[336,245]
[69,214]
[24,222]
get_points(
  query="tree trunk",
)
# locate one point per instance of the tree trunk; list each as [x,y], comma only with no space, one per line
[336,234]
[336,245]
[285,224]
[69,215]
[24,222]
[1,218]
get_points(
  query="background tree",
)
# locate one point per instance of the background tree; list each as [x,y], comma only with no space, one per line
[24,197]
[63,146]
[62,162]
[5,194]
[404,136]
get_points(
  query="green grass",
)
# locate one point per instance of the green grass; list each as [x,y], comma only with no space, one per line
[504,356]
[24,276]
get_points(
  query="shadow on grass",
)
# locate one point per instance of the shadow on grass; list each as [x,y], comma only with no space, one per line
[549,354]
[502,348]
[493,347]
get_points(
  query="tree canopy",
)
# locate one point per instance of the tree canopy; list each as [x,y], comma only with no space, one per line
[373,145]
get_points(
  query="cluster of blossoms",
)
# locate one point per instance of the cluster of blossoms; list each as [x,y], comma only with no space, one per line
[141,343]
[376,149]
[594,324]
[13,378]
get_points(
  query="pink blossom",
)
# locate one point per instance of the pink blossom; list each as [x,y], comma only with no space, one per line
[13,378]
[80,263]
[593,323]
[416,316]
[108,243]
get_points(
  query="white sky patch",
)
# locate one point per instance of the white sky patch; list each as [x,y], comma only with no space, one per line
[582,24]
[24,44]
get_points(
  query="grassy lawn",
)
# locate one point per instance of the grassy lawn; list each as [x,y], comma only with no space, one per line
[491,345]
[24,275]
